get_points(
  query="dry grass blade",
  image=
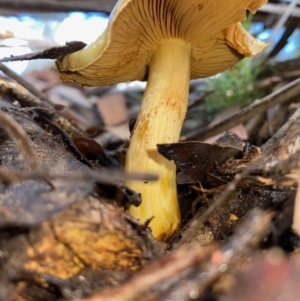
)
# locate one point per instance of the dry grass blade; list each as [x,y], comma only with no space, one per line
[19,136]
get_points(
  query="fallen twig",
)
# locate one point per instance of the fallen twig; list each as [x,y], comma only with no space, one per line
[107,176]
[51,53]
[22,95]
[27,99]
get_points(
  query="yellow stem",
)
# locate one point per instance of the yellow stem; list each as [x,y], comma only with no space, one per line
[160,120]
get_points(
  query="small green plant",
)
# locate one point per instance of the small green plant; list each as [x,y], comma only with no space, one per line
[233,87]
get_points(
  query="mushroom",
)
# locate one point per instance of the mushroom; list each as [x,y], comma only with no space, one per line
[167,43]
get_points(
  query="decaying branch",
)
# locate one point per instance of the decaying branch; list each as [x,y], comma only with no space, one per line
[32,89]
[21,94]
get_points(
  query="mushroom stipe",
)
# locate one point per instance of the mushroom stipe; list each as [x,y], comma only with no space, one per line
[168,42]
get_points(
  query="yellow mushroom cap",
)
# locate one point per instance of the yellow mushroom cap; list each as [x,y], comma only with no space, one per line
[123,52]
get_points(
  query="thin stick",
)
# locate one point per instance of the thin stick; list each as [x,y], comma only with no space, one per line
[22,95]
[99,176]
